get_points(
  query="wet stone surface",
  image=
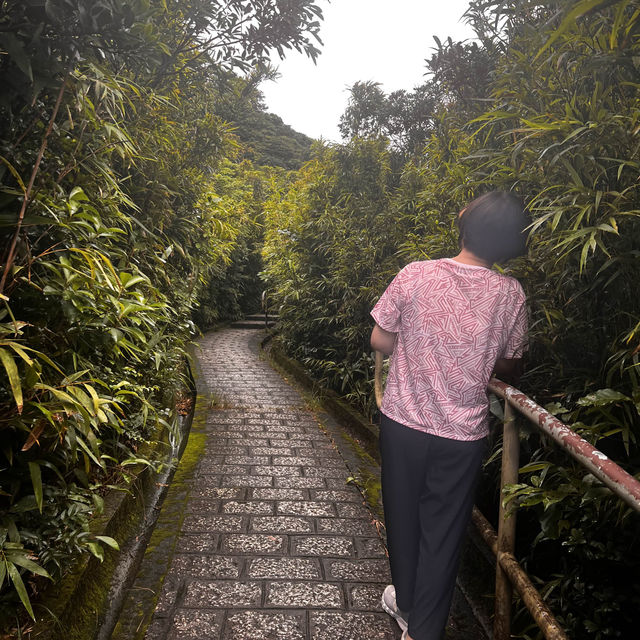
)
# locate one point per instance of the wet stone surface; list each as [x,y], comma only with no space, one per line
[277,471]
[247,481]
[203,505]
[351,510]
[197,543]
[212,524]
[209,566]
[262,538]
[323,546]
[338,496]
[278,494]
[195,624]
[368,570]
[322,472]
[206,491]
[249,544]
[370,548]
[306,508]
[365,596]
[300,568]
[222,594]
[348,526]
[304,594]
[354,626]
[269,626]
[251,507]
[284,524]
[300,483]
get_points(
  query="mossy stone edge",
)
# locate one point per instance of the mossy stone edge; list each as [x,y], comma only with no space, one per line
[327,398]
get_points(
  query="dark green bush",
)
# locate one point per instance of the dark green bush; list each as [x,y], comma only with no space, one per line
[112,224]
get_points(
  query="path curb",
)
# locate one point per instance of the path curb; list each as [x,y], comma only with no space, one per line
[330,400]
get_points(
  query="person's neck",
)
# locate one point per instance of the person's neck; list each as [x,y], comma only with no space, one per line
[466,257]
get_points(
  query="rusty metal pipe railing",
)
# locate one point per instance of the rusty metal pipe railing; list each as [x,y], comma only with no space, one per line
[623,484]
[264,303]
[377,378]
[506,539]
[531,597]
[509,573]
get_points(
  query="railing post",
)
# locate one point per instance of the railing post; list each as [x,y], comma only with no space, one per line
[265,308]
[506,526]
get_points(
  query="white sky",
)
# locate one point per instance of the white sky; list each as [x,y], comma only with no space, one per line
[386,41]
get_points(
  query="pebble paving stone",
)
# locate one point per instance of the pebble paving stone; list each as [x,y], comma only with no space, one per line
[270,541]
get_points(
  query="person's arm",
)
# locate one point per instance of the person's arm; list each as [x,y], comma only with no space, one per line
[382,340]
[508,370]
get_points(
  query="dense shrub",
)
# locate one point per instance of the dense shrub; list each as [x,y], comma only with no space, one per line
[113,222]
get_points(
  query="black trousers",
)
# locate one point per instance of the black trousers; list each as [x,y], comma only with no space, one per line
[428,489]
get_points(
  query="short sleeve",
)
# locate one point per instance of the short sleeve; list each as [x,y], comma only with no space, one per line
[517,342]
[388,310]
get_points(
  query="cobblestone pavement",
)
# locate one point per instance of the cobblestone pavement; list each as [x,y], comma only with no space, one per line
[261,538]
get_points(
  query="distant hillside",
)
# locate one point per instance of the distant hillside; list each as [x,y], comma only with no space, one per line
[265,138]
[270,141]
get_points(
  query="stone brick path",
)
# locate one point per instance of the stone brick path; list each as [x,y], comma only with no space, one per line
[261,537]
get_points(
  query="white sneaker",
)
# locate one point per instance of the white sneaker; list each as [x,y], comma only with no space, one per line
[389,606]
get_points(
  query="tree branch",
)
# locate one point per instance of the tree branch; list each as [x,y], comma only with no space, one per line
[12,249]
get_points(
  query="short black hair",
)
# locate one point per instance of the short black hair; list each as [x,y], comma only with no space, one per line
[493,226]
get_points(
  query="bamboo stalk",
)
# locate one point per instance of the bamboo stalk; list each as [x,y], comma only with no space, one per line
[27,194]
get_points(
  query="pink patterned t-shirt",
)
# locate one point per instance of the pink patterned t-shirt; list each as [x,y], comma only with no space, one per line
[453,321]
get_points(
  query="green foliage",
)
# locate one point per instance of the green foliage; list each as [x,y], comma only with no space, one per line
[120,210]
[328,233]
[265,139]
[234,285]
[405,118]
[273,143]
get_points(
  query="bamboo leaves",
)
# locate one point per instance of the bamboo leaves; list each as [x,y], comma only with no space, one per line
[97,550]
[14,379]
[569,21]
[36,480]
[115,234]
[13,557]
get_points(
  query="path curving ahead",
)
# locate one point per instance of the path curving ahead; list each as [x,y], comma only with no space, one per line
[260,536]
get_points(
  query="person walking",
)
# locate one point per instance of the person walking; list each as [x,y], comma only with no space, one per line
[448,325]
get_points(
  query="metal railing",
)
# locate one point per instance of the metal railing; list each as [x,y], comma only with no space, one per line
[264,304]
[509,573]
